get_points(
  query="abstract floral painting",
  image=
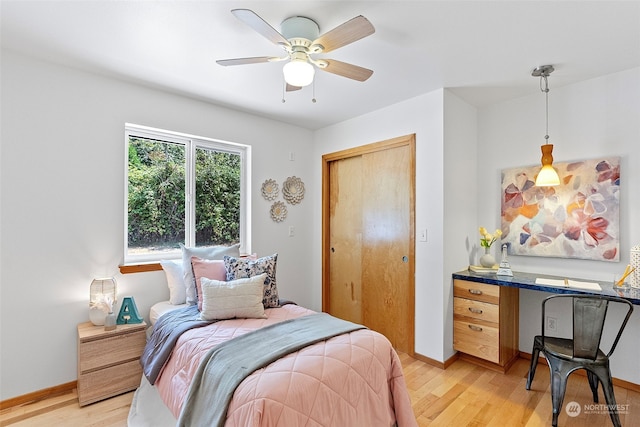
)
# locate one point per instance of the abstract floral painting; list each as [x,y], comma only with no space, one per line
[580,218]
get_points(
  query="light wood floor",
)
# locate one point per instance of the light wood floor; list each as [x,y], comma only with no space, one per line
[461,395]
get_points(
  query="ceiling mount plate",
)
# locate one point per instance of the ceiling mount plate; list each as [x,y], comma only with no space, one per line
[542,70]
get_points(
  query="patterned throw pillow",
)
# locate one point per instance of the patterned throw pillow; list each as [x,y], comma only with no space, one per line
[241,268]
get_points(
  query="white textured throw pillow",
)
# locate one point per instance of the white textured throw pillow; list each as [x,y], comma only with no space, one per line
[175,280]
[240,298]
[202,252]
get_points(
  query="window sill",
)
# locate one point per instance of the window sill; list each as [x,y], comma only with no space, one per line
[140,268]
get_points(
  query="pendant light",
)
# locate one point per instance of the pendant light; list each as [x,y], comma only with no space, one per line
[547,176]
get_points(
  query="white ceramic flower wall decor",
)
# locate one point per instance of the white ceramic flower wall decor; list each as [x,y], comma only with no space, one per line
[278,211]
[293,190]
[270,189]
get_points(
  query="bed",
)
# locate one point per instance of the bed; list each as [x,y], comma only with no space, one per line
[288,366]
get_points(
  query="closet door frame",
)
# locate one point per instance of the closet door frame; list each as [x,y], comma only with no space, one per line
[406,140]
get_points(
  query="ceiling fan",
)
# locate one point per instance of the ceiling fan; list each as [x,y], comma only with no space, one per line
[300,38]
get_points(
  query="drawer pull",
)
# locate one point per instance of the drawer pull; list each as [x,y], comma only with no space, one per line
[475,291]
[475,328]
[475,310]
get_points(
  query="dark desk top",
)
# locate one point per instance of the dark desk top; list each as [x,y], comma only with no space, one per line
[528,281]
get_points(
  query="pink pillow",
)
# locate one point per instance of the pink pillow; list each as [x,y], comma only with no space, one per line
[208,268]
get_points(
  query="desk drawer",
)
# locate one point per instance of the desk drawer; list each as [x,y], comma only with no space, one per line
[476,291]
[476,309]
[477,340]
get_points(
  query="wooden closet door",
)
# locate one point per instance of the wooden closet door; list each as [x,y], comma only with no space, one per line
[386,242]
[346,239]
[368,265]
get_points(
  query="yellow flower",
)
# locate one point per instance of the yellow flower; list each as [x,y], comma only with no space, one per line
[487,238]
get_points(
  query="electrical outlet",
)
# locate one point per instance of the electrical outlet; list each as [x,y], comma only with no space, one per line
[292,231]
[552,324]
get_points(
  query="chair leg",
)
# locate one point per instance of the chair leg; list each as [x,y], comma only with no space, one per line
[593,383]
[535,353]
[604,375]
[559,373]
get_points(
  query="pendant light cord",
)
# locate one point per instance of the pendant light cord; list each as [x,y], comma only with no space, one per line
[545,89]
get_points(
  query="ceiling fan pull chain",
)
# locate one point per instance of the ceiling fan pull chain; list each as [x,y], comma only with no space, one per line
[314,91]
[284,84]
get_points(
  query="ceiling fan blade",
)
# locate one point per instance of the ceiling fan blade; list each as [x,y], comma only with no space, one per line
[347,70]
[291,88]
[250,18]
[349,32]
[252,60]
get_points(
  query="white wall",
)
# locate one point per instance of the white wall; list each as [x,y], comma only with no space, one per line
[591,119]
[62,212]
[460,200]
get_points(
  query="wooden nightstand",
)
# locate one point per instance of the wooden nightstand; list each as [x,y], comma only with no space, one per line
[108,361]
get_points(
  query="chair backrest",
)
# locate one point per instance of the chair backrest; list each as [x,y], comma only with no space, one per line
[588,322]
[589,316]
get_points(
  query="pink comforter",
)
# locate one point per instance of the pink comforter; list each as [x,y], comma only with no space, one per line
[352,380]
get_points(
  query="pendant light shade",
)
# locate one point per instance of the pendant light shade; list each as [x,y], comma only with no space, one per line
[547,176]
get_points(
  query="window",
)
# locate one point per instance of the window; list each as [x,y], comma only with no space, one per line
[183,189]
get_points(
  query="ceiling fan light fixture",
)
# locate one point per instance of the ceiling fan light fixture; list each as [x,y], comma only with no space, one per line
[298,72]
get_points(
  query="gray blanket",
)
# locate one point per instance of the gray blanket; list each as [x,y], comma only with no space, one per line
[228,364]
[165,333]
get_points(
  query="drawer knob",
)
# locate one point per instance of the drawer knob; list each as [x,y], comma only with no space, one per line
[475,291]
[475,328]
[475,310]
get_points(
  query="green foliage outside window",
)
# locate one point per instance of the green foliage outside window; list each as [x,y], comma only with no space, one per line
[156,204]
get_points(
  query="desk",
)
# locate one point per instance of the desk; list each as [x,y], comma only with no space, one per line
[486,313]
[528,281]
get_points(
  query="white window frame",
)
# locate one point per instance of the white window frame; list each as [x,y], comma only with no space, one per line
[191,143]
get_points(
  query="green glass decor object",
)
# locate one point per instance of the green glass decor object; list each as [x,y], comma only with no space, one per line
[128,312]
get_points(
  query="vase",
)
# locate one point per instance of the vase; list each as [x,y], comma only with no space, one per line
[110,322]
[487,260]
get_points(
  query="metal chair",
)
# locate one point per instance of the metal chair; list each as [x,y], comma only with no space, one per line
[565,355]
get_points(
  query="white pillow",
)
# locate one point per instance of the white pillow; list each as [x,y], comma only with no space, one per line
[203,252]
[175,279]
[236,298]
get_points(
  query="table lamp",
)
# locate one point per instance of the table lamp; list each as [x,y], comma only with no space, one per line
[102,297]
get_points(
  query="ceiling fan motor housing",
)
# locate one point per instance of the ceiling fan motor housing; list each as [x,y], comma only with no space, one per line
[300,30]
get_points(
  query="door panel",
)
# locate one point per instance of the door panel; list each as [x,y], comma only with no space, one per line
[346,239]
[386,240]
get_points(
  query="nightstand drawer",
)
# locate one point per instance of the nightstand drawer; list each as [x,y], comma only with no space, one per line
[109,382]
[110,351]
[477,339]
[476,291]
[476,309]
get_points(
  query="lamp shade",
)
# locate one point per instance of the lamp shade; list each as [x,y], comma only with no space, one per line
[547,176]
[102,297]
[298,72]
